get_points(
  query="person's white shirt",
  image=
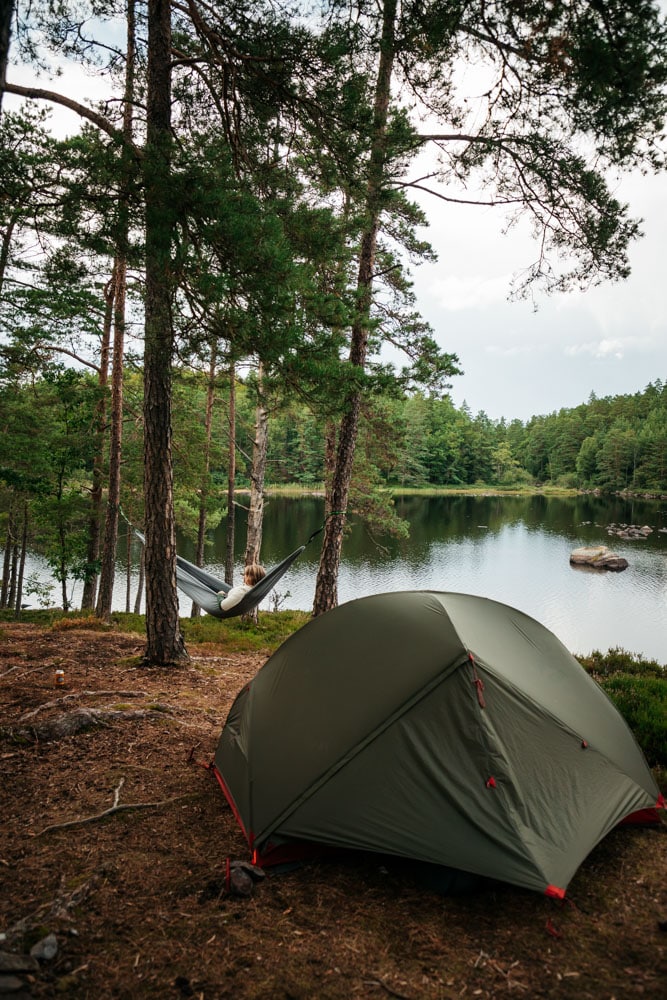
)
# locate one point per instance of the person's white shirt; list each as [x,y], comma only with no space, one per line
[234,596]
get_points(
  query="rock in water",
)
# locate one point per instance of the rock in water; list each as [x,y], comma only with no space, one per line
[599,557]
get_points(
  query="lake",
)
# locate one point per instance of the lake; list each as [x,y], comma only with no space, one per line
[512,549]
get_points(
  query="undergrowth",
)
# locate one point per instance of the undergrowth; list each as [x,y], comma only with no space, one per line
[620,661]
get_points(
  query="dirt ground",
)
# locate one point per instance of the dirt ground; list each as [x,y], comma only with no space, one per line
[137,899]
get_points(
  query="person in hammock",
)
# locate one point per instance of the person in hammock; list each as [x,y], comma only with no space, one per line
[252,575]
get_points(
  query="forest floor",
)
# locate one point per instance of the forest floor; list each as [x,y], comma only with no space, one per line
[137,902]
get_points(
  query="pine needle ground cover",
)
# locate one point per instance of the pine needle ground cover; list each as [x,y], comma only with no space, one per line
[116,840]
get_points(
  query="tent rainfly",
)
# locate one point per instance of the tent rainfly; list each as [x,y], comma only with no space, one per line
[442,727]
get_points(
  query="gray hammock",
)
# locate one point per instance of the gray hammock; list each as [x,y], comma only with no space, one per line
[204,588]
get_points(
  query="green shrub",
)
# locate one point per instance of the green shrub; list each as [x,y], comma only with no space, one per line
[642,701]
[620,661]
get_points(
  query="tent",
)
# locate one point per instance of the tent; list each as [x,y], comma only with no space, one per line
[441,727]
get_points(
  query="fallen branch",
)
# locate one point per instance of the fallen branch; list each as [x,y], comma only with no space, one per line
[81,694]
[76,722]
[116,807]
[18,666]
[390,991]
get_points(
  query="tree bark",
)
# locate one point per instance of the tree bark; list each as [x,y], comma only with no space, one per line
[7,559]
[13,574]
[94,525]
[204,488]
[257,477]
[6,13]
[5,245]
[21,572]
[231,478]
[108,569]
[164,641]
[326,588]
[140,581]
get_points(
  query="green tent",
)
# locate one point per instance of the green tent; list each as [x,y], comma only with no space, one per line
[441,727]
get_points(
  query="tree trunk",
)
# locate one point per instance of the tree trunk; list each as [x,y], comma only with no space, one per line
[24,548]
[62,565]
[204,488]
[13,574]
[93,555]
[257,477]
[6,13]
[231,479]
[128,572]
[326,589]
[108,568]
[7,559]
[5,246]
[164,641]
[140,582]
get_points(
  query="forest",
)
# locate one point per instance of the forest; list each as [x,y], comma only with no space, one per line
[48,452]
[206,283]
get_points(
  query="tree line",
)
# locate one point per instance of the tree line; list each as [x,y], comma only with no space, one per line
[48,453]
[235,216]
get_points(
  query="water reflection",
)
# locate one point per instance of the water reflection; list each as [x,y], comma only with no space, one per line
[512,549]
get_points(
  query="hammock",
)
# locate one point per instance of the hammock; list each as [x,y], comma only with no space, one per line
[204,588]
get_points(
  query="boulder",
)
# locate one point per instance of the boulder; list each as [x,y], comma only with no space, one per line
[630,530]
[599,557]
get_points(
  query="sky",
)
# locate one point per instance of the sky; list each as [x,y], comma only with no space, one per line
[524,358]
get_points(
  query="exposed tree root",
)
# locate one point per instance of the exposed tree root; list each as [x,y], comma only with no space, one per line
[81,694]
[78,721]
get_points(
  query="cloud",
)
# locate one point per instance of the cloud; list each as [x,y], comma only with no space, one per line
[455,293]
[511,351]
[597,349]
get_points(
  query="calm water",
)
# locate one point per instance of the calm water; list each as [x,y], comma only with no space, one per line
[511,549]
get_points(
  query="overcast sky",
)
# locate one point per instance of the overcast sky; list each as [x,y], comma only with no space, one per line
[518,362]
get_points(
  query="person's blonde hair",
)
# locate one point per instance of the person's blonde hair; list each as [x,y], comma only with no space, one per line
[254,573]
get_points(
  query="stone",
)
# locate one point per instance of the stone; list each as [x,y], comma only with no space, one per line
[598,557]
[10,985]
[240,883]
[10,962]
[46,949]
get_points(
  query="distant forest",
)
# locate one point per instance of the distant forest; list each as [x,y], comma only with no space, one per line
[610,444]
[48,447]
[52,450]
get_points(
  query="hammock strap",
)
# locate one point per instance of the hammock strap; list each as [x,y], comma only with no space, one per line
[334,513]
